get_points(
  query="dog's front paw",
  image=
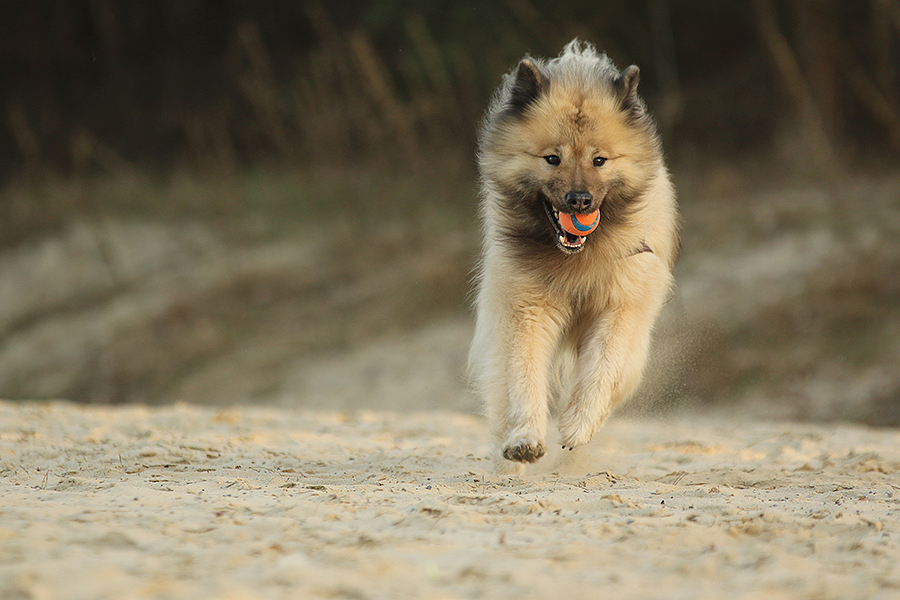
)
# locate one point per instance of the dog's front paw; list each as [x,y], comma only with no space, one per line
[523,451]
[575,433]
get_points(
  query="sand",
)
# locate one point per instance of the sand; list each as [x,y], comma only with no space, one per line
[189,502]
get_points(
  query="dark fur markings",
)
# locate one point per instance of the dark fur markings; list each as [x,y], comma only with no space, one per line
[529,85]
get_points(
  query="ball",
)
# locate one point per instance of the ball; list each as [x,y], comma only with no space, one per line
[579,225]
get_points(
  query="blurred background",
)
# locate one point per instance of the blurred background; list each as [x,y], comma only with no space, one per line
[274,202]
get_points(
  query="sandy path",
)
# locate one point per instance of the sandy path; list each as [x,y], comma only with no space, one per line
[184,502]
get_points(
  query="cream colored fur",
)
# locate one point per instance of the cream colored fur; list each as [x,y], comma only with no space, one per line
[567,335]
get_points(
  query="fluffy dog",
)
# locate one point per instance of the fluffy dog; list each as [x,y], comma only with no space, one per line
[563,321]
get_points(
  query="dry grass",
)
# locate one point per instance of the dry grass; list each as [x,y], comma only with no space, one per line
[252,287]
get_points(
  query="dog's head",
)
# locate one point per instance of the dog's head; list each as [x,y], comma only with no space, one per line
[571,136]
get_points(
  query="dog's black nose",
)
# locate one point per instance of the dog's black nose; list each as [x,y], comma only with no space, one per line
[578,200]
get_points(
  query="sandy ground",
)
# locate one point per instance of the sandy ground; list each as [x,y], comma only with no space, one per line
[188,502]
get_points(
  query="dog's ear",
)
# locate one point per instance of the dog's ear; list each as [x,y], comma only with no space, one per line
[626,88]
[528,86]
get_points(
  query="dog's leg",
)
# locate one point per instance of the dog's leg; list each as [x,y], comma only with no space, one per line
[611,358]
[519,409]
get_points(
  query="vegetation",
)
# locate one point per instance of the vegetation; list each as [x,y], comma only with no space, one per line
[103,85]
[155,156]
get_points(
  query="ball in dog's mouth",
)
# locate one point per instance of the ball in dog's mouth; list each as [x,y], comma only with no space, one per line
[572,229]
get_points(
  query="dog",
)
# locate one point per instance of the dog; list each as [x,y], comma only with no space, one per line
[563,321]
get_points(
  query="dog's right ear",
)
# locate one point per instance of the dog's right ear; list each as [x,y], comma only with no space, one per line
[528,86]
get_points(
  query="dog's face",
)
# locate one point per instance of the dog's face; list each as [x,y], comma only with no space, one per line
[567,147]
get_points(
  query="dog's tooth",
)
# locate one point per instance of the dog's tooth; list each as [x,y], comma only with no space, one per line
[562,240]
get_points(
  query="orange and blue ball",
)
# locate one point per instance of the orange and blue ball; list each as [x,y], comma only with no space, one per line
[578,224]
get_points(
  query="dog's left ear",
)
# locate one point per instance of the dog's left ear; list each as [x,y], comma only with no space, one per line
[626,86]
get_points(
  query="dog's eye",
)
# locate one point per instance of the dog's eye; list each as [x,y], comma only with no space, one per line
[599,161]
[552,159]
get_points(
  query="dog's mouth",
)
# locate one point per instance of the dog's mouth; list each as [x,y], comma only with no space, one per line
[569,243]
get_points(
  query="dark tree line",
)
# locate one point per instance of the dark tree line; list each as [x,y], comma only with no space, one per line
[88,85]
